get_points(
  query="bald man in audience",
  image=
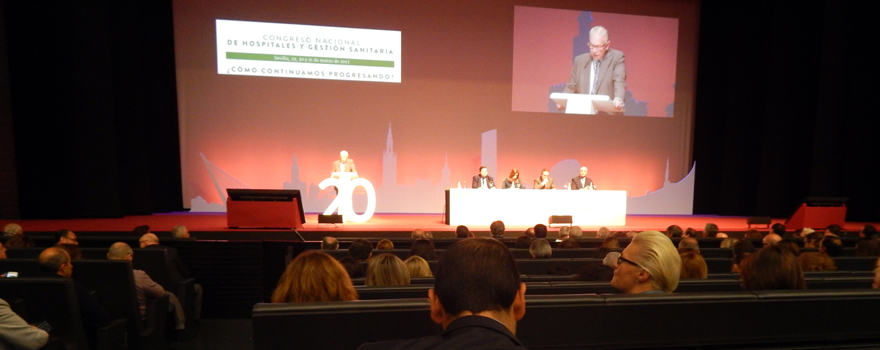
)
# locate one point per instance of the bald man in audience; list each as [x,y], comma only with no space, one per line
[329,243]
[145,287]
[688,244]
[55,263]
[771,239]
[151,241]
[418,234]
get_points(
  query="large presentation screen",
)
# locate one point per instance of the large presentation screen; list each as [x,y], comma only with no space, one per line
[422,94]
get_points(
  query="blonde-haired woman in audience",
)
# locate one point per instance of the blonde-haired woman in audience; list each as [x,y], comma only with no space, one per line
[386,270]
[314,276]
[693,266]
[385,244]
[649,264]
[418,267]
[876,284]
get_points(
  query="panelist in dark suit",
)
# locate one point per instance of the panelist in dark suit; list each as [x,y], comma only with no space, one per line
[512,180]
[544,182]
[344,164]
[483,180]
[599,72]
[582,182]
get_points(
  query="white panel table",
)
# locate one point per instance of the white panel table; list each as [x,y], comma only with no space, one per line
[530,207]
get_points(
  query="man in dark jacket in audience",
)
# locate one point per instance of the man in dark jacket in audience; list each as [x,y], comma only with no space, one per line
[54,262]
[477,298]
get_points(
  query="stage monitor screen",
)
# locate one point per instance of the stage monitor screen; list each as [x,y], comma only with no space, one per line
[422,94]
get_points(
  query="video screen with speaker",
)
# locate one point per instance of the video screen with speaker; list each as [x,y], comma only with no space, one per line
[422,94]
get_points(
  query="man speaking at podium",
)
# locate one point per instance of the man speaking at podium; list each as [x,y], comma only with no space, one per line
[599,72]
[344,164]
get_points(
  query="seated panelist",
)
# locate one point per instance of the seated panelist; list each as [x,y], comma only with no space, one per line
[512,180]
[582,182]
[545,182]
[483,180]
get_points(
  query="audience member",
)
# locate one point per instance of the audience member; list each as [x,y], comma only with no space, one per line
[743,246]
[2,251]
[530,232]
[523,242]
[12,229]
[737,261]
[650,263]
[576,232]
[179,231]
[353,267]
[423,248]
[689,232]
[141,230]
[611,243]
[418,267]
[563,233]
[832,246]
[631,234]
[688,244]
[710,230]
[477,298]
[570,243]
[329,243]
[594,271]
[314,276]
[418,234]
[385,244]
[360,249]
[151,241]
[20,241]
[497,229]
[674,231]
[815,261]
[752,234]
[813,239]
[463,232]
[868,247]
[540,249]
[770,268]
[387,270]
[54,262]
[693,266]
[867,231]
[145,287]
[876,284]
[729,242]
[790,245]
[540,231]
[72,250]
[834,229]
[16,333]
[778,229]
[65,236]
[771,239]
[721,235]
[603,232]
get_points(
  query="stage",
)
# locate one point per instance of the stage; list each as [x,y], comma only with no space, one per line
[213,225]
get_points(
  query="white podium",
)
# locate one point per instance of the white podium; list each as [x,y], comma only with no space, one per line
[584,104]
